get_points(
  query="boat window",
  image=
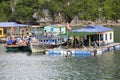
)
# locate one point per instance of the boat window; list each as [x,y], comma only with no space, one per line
[44,40]
[53,40]
[40,40]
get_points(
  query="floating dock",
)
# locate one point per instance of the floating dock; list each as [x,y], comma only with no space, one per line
[87,51]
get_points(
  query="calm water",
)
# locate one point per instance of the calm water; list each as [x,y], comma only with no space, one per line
[20,66]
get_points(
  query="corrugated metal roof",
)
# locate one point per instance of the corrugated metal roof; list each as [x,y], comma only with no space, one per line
[12,24]
[93,29]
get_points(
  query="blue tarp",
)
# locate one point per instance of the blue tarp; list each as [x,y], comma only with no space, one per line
[12,24]
[93,29]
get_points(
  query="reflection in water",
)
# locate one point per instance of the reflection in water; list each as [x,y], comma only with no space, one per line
[20,66]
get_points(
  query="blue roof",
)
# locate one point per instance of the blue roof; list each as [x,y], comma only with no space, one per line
[12,24]
[93,29]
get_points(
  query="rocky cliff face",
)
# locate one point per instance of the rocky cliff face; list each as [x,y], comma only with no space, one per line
[58,17]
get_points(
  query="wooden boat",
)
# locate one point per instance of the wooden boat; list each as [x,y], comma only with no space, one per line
[16,48]
[36,47]
[14,45]
[39,46]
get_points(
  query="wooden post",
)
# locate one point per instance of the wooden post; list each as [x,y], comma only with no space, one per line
[89,41]
[75,41]
[60,37]
[99,40]
[83,41]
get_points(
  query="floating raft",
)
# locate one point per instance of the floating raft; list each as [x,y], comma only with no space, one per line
[89,51]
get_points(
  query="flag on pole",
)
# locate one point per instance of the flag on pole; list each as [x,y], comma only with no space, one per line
[68,26]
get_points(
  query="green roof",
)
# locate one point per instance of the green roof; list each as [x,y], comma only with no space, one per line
[78,33]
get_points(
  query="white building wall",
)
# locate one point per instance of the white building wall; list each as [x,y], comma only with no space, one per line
[110,37]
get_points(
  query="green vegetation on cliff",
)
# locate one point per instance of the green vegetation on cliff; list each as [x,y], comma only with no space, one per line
[22,10]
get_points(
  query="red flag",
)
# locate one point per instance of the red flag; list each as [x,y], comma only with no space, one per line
[68,26]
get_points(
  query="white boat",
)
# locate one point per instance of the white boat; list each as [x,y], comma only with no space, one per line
[36,47]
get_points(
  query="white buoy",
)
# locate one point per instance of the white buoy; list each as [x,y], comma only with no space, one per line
[46,52]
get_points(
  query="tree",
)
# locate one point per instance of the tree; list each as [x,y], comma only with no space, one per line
[4,10]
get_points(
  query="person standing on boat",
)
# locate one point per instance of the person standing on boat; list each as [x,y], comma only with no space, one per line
[14,41]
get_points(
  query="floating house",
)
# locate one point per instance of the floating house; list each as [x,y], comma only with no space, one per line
[102,37]
[55,29]
[99,34]
[12,28]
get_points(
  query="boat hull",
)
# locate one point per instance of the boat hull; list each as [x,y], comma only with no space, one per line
[40,48]
[36,48]
[17,48]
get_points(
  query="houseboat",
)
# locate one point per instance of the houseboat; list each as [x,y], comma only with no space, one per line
[94,40]
[10,29]
[44,42]
[48,38]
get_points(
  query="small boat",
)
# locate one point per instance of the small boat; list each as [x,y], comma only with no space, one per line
[14,46]
[43,43]
[36,47]
[17,48]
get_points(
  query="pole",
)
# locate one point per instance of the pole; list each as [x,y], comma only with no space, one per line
[89,41]
[60,37]
[99,40]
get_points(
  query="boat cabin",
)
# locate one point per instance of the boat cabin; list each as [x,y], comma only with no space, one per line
[53,40]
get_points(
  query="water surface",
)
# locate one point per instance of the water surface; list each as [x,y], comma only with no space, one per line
[20,66]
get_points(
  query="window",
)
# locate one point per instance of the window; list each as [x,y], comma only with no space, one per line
[105,36]
[101,37]
[110,36]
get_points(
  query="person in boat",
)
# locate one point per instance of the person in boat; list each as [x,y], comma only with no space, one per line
[12,41]
[80,44]
[34,40]
[24,43]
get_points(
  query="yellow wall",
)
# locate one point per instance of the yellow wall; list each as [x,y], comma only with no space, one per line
[2,33]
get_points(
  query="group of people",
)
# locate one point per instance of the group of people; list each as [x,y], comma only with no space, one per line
[17,41]
[74,42]
[21,40]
